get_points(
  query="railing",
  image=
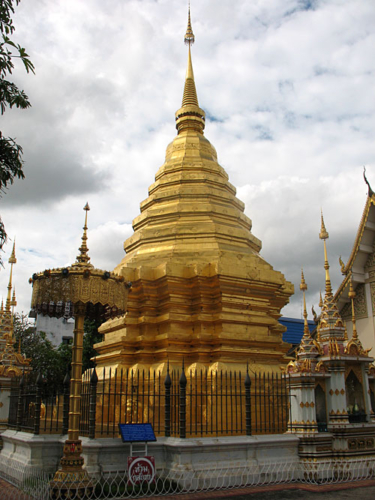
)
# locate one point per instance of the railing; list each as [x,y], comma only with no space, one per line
[196,404]
[35,484]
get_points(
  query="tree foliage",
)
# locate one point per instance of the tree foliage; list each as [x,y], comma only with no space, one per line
[11,162]
[53,362]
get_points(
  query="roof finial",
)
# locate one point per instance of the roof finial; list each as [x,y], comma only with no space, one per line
[352,295]
[189,35]
[303,288]
[323,235]
[190,116]
[320,299]
[370,191]
[14,300]
[12,260]
[83,259]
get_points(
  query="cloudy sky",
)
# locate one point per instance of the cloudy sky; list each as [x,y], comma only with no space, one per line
[287,86]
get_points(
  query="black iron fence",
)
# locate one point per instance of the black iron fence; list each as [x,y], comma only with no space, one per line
[199,403]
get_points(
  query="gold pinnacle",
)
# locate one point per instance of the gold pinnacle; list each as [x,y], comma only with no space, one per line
[189,35]
[323,235]
[83,258]
[190,97]
[14,301]
[320,299]
[352,295]
[12,258]
[190,116]
[303,287]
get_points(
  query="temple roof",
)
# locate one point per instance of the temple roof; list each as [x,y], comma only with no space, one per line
[294,332]
[361,254]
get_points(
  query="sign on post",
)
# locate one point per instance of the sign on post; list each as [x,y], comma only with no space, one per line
[141,469]
[135,433]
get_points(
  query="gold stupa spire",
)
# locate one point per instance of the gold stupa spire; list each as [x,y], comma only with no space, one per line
[190,116]
[83,259]
[323,235]
[307,348]
[14,300]
[189,35]
[303,288]
[6,332]
[12,260]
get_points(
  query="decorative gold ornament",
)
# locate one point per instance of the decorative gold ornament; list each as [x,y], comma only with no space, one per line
[12,363]
[86,291]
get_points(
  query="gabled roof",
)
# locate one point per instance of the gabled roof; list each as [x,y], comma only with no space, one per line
[294,332]
[363,247]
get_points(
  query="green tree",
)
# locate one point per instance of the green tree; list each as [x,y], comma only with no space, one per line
[53,362]
[11,162]
[91,337]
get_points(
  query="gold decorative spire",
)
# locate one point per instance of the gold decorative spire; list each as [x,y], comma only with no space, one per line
[12,260]
[352,295]
[83,259]
[320,299]
[323,235]
[14,300]
[190,116]
[307,349]
[189,35]
[303,288]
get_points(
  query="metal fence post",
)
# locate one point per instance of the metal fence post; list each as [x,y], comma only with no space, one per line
[65,423]
[248,402]
[92,414]
[183,383]
[38,403]
[20,404]
[167,407]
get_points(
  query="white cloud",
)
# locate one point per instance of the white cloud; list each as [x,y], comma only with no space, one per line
[287,87]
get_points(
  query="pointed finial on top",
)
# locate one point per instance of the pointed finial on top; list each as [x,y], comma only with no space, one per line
[83,259]
[189,35]
[352,295]
[12,258]
[14,301]
[303,288]
[370,191]
[190,117]
[303,285]
[323,235]
[320,299]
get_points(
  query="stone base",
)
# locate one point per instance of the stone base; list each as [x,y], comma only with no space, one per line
[30,451]
[104,456]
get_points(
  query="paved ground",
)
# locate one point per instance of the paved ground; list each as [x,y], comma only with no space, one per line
[361,490]
[9,492]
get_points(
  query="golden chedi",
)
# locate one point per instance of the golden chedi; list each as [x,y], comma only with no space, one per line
[200,290]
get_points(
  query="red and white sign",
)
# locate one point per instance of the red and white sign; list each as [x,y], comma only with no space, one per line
[141,469]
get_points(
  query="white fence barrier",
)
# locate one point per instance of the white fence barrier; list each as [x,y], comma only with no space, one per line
[34,484]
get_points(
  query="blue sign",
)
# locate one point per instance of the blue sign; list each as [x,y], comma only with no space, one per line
[132,433]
